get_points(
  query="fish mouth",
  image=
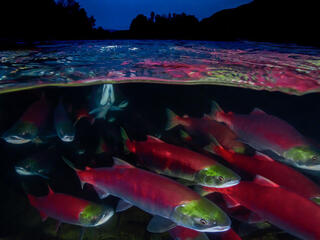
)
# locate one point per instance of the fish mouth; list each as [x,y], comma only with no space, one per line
[309,167]
[216,229]
[104,218]
[229,184]
[22,171]
[67,138]
[16,140]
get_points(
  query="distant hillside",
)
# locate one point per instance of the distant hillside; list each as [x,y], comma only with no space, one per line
[266,20]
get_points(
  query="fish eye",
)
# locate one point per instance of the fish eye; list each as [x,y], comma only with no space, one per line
[221,178]
[203,221]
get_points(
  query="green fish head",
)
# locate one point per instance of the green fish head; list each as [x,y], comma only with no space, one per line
[65,131]
[217,176]
[306,157]
[202,216]
[95,214]
[20,133]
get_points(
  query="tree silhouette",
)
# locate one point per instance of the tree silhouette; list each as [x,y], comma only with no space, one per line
[45,19]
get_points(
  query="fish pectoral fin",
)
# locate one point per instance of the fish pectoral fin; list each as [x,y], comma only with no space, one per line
[265,181]
[43,216]
[231,203]
[160,224]
[101,193]
[123,205]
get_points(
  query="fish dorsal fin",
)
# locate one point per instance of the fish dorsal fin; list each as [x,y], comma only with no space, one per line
[51,192]
[119,163]
[263,157]
[153,139]
[264,181]
[257,111]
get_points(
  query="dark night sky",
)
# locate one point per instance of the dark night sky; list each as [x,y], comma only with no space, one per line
[118,14]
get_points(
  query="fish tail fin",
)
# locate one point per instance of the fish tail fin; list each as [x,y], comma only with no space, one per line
[172,119]
[216,111]
[128,145]
[214,146]
[185,136]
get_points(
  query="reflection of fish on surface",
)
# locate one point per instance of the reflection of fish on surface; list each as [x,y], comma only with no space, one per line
[286,210]
[68,209]
[102,100]
[63,124]
[179,162]
[268,133]
[260,164]
[171,203]
[27,128]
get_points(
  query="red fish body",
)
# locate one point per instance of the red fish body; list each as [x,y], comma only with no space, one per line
[263,131]
[156,195]
[260,164]
[69,209]
[229,235]
[179,162]
[181,233]
[139,188]
[205,127]
[268,133]
[283,208]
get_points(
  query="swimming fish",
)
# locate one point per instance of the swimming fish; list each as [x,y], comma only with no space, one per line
[68,209]
[278,173]
[284,209]
[180,162]
[171,203]
[182,233]
[39,164]
[27,128]
[205,127]
[265,132]
[63,125]
[104,100]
